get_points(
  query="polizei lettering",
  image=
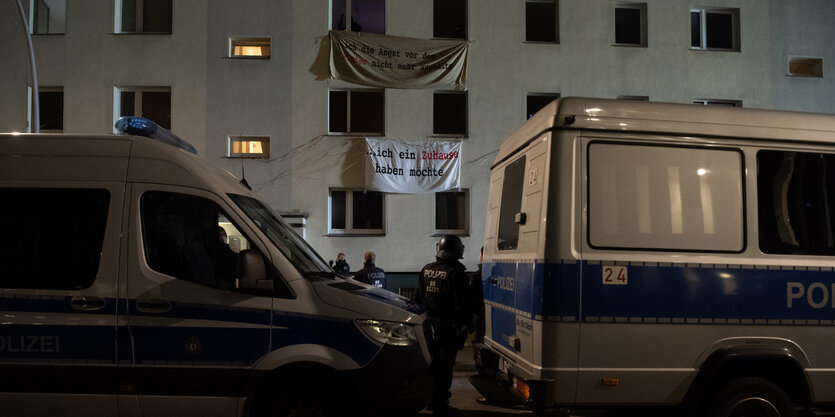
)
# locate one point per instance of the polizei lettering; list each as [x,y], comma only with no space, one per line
[30,344]
[816,295]
[434,274]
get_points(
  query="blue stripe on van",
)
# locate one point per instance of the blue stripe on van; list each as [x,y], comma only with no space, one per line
[677,293]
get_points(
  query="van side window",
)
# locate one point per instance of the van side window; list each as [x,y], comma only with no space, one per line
[514,176]
[796,202]
[52,237]
[190,238]
[672,198]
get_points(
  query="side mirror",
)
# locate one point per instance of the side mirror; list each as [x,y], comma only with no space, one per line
[251,272]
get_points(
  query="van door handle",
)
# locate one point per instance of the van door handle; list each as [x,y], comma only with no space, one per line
[87,303]
[153,305]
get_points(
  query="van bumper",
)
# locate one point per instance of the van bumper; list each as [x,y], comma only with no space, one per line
[395,383]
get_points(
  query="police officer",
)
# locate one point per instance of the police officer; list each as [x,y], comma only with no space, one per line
[443,292]
[370,274]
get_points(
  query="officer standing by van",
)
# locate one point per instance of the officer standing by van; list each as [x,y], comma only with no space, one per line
[370,274]
[444,292]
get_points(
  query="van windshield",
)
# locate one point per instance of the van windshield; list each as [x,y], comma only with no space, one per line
[291,245]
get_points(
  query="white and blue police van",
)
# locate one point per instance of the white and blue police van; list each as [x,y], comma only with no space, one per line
[671,255]
[136,279]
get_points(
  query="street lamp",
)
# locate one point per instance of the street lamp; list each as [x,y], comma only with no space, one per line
[36,113]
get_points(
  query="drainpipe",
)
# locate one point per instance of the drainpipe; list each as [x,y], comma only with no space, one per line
[36,111]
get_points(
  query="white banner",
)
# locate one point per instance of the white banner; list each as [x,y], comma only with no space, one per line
[398,62]
[412,167]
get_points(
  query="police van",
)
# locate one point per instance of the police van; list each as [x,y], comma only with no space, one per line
[137,279]
[652,254]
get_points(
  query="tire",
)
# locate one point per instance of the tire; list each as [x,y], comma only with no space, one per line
[750,397]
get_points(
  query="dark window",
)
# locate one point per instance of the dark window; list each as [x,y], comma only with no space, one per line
[49,16]
[450,19]
[451,211]
[185,238]
[151,104]
[366,15]
[147,16]
[338,209]
[720,30]
[514,176]
[695,29]
[715,29]
[628,26]
[368,210]
[541,22]
[796,202]
[537,101]
[51,104]
[356,111]
[54,237]
[449,113]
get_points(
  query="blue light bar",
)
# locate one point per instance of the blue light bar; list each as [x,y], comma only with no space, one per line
[140,126]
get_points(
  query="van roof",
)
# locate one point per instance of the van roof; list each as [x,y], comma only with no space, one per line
[671,118]
[78,157]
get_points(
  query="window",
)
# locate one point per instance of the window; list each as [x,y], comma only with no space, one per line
[190,238]
[449,113]
[150,102]
[513,182]
[356,212]
[542,21]
[250,48]
[451,212]
[539,100]
[714,29]
[249,147]
[631,24]
[51,104]
[718,102]
[367,16]
[806,67]
[54,237]
[449,19]
[144,16]
[665,198]
[48,16]
[796,202]
[634,98]
[356,111]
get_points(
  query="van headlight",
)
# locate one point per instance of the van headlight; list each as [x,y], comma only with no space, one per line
[388,332]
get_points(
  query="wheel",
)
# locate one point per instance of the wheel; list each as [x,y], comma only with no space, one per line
[750,397]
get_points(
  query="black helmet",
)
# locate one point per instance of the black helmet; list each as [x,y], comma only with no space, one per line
[450,247]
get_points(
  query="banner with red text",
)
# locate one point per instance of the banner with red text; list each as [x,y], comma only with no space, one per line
[412,167]
[397,62]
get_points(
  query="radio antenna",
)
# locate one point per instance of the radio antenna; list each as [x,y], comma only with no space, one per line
[243,174]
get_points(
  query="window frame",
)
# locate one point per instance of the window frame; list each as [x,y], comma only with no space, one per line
[718,102]
[348,107]
[735,29]
[815,62]
[642,11]
[248,41]
[349,229]
[349,16]
[140,19]
[556,4]
[232,139]
[466,121]
[34,10]
[138,90]
[465,222]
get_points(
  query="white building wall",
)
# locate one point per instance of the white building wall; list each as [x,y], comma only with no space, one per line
[285,97]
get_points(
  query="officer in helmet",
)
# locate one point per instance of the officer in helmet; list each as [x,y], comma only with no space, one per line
[443,292]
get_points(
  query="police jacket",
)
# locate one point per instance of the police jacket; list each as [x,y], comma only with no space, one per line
[369,273]
[341,267]
[443,290]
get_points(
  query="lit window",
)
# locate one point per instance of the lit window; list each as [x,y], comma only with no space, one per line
[356,212]
[452,212]
[718,102]
[150,102]
[144,16]
[356,111]
[367,16]
[542,21]
[449,19]
[48,16]
[249,147]
[631,24]
[537,101]
[449,113]
[51,104]
[806,67]
[249,48]
[714,29]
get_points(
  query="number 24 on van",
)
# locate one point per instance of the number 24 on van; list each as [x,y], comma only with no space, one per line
[615,275]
